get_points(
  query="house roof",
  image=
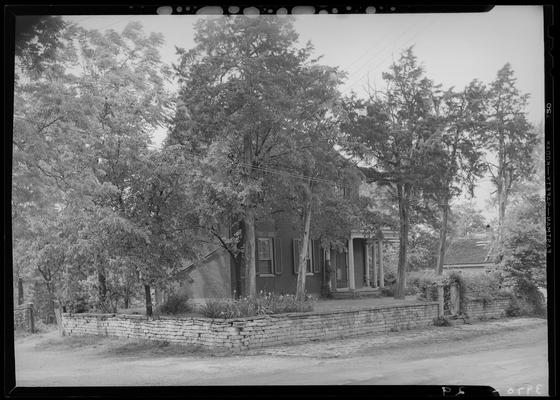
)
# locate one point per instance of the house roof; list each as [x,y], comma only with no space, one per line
[473,250]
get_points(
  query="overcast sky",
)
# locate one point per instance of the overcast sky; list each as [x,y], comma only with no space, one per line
[453,48]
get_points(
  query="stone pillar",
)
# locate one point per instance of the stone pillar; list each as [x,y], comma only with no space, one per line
[381,272]
[440,300]
[374,261]
[351,277]
[454,299]
[366,251]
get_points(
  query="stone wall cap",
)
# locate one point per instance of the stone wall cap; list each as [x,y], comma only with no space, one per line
[295,315]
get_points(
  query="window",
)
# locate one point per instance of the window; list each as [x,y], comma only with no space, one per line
[297,246]
[265,256]
[341,191]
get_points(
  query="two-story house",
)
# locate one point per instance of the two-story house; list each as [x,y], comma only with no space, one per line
[358,266]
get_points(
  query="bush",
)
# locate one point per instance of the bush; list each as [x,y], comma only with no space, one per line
[424,284]
[389,291]
[263,304]
[78,305]
[175,304]
[441,321]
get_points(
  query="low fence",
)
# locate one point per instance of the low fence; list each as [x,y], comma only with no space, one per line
[24,317]
[255,332]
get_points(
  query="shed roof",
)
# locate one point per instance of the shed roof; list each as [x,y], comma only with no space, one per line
[469,251]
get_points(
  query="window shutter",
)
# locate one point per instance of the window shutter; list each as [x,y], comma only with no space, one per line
[295,248]
[316,257]
[277,256]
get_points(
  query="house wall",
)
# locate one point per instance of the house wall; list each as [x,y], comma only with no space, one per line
[284,282]
[212,279]
[254,332]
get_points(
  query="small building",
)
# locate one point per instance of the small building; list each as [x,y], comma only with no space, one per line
[470,255]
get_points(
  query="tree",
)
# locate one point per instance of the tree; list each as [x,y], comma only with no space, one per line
[37,41]
[510,138]
[524,262]
[86,137]
[460,157]
[396,134]
[246,91]
[465,219]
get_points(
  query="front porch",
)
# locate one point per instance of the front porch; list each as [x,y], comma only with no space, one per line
[359,271]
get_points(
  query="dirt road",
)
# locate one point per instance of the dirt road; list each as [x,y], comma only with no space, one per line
[510,356]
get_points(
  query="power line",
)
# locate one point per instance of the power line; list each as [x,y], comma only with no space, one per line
[383,60]
[383,48]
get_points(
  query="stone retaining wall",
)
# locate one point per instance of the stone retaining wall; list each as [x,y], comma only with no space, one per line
[23,317]
[254,332]
[480,309]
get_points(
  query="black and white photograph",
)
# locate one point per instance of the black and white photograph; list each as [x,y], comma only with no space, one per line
[281,196]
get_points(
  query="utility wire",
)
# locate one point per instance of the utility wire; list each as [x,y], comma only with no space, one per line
[382,49]
[427,27]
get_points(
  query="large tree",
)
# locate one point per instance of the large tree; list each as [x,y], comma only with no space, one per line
[82,130]
[510,138]
[461,119]
[246,92]
[395,132]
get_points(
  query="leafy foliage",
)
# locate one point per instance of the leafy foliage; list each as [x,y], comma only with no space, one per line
[398,135]
[175,304]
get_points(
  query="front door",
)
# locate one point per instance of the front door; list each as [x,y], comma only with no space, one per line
[341,268]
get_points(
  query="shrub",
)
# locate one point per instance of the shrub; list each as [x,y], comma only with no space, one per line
[441,321]
[390,277]
[389,291]
[263,304]
[175,304]
[79,305]
[424,284]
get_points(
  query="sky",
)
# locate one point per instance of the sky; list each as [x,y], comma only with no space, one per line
[453,48]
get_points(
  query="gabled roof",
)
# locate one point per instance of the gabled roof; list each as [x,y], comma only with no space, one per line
[472,250]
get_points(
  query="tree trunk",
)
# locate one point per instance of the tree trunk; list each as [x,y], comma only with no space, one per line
[328,272]
[502,201]
[403,196]
[238,265]
[302,270]
[249,222]
[20,291]
[249,252]
[442,236]
[148,294]
[101,283]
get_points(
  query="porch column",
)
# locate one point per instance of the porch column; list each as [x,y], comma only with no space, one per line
[367,251]
[351,278]
[374,260]
[381,273]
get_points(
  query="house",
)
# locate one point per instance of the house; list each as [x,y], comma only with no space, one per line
[470,255]
[358,266]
